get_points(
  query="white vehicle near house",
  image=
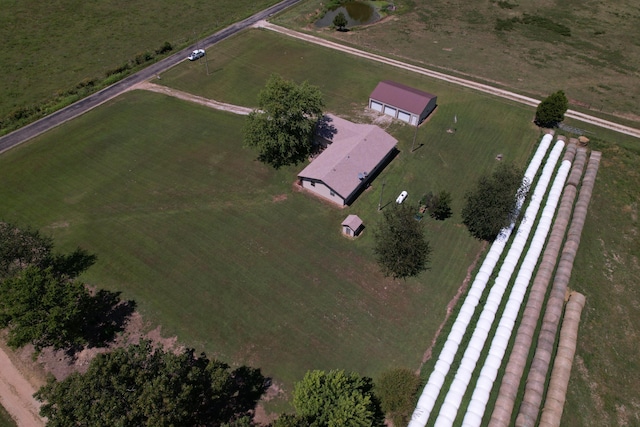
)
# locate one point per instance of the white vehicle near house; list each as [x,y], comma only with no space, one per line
[401,197]
[196,54]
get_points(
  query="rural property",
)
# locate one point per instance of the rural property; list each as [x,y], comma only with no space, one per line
[144,164]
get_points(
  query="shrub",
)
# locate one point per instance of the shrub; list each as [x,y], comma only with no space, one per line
[551,110]
[166,47]
[505,24]
[396,389]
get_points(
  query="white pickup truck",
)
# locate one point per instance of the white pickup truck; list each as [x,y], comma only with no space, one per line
[196,54]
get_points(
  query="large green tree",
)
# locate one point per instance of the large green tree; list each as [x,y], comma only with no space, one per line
[492,205]
[22,247]
[550,111]
[283,126]
[145,386]
[401,247]
[41,308]
[336,399]
[42,303]
[396,389]
[440,206]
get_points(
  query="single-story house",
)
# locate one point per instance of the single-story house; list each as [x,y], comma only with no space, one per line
[354,155]
[402,102]
[352,226]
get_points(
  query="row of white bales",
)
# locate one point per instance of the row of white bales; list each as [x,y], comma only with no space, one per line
[475,410]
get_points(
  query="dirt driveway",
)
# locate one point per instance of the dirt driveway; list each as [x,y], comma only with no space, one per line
[16,394]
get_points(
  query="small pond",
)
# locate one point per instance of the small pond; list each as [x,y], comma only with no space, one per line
[357,13]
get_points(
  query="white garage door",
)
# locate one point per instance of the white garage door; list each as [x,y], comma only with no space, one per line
[405,117]
[414,120]
[390,111]
[376,106]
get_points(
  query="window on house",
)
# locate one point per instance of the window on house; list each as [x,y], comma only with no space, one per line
[332,193]
[313,184]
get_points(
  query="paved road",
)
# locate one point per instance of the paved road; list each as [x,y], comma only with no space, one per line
[455,80]
[82,106]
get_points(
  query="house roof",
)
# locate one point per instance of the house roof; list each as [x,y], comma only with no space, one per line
[403,97]
[353,222]
[355,151]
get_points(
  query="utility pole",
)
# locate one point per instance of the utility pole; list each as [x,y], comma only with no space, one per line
[414,138]
[381,191]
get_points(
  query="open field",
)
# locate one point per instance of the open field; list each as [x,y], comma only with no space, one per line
[607,272]
[51,48]
[222,252]
[597,64]
[231,300]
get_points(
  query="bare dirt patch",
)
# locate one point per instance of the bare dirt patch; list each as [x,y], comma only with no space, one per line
[21,375]
[61,364]
[261,416]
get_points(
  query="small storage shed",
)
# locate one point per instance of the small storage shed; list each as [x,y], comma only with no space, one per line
[352,226]
[402,102]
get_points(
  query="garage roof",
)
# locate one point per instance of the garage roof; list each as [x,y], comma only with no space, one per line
[355,150]
[400,96]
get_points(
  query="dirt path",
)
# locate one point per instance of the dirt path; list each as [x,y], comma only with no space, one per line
[192,98]
[451,79]
[16,394]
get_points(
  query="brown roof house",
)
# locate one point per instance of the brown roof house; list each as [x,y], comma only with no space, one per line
[354,155]
[402,102]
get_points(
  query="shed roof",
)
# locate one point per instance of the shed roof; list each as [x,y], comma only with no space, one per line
[355,149]
[353,222]
[403,97]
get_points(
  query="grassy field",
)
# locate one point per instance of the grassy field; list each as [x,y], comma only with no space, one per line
[49,48]
[597,63]
[202,236]
[222,251]
[603,386]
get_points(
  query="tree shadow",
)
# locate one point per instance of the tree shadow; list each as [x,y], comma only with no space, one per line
[243,391]
[324,128]
[73,264]
[250,385]
[106,316]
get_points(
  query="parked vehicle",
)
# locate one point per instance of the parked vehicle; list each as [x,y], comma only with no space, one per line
[196,54]
[401,197]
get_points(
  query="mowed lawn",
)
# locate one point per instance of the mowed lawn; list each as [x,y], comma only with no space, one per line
[606,269]
[223,252]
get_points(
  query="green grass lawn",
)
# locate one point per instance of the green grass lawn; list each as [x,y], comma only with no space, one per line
[51,47]
[597,64]
[223,252]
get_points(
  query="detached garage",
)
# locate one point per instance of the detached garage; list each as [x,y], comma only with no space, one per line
[402,102]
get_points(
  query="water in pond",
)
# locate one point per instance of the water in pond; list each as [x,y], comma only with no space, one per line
[357,13]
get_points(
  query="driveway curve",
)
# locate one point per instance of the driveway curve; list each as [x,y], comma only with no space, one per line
[82,106]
